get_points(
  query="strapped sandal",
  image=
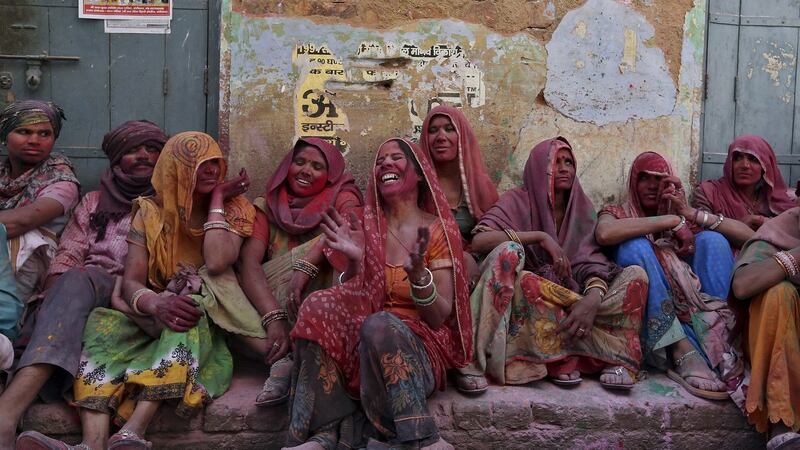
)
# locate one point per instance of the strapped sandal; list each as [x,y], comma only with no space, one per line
[566,383]
[471,384]
[784,441]
[125,439]
[696,391]
[618,371]
[33,440]
[276,388]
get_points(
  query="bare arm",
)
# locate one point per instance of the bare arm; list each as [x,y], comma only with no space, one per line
[612,231]
[21,220]
[753,279]
[485,241]
[437,312]
[254,282]
[220,246]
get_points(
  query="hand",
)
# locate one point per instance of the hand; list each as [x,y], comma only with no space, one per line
[117,302]
[233,187]
[277,341]
[561,264]
[672,198]
[754,221]
[178,312]
[473,271]
[580,320]
[685,241]
[415,264]
[343,237]
[297,284]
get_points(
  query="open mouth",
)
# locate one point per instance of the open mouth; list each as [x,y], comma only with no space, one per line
[303,182]
[389,178]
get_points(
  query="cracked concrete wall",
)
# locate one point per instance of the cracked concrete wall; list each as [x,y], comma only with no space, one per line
[614,77]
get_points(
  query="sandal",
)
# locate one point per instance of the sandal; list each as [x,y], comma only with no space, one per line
[471,384]
[696,391]
[125,439]
[276,388]
[566,383]
[784,441]
[618,371]
[33,440]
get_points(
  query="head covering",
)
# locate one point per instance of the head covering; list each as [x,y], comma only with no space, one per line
[479,190]
[167,214]
[118,189]
[531,207]
[299,215]
[726,198]
[30,112]
[647,162]
[333,317]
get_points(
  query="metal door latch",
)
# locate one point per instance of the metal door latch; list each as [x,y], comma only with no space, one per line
[33,75]
[6,80]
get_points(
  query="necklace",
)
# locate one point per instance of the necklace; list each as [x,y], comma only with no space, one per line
[397,238]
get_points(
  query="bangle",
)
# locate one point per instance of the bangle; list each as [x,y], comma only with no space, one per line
[694,216]
[705,219]
[427,284]
[135,300]
[272,316]
[679,225]
[216,210]
[221,224]
[788,262]
[427,301]
[717,223]
[512,235]
[340,278]
[306,267]
[596,282]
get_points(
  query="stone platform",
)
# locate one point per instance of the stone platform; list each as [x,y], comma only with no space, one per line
[657,414]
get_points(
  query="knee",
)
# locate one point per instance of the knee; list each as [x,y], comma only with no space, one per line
[712,241]
[634,251]
[376,325]
[781,297]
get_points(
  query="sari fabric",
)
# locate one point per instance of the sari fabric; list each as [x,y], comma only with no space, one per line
[722,195]
[771,325]
[24,189]
[479,190]
[530,207]
[166,216]
[333,317]
[702,312]
[299,215]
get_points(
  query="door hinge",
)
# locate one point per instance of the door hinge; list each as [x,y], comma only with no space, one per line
[735,87]
[166,81]
[205,81]
[705,87]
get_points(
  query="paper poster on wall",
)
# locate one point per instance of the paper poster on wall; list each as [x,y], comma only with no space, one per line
[137,26]
[124,9]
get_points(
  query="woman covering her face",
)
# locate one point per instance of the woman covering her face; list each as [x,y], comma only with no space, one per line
[399,320]
[687,323]
[574,311]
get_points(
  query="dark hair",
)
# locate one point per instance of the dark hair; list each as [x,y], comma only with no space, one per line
[423,191]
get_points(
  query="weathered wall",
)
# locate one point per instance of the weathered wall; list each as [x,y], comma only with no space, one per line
[614,77]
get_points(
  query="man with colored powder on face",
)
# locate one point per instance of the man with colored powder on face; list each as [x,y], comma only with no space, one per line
[85,272]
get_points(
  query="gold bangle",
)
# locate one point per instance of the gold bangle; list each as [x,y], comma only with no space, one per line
[512,235]
[135,300]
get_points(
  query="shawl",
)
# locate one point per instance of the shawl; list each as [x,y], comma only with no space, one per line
[30,112]
[530,208]
[167,214]
[118,189]
[723,195]
[333,317]
[479,190]
[690,304]
[298,215]
[20,191]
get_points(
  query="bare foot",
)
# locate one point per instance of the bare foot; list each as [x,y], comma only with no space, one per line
[692,367]
[471,384]
[310,445]
[616,375]
[441,444]
[574,375]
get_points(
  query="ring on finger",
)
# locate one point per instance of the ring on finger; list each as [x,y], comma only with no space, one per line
[581,331]
[275,344]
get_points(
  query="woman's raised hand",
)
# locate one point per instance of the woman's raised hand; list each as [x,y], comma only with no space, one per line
[235,186]
[415,264]
[342,235]
[561,264]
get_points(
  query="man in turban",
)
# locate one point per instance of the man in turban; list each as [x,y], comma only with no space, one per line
[85,272]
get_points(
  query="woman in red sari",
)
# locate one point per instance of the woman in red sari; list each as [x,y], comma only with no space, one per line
[750,192]
[400,319]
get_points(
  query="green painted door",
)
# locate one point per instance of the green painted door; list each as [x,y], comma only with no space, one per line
[105,79]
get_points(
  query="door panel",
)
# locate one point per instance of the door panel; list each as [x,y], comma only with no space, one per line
[189,45]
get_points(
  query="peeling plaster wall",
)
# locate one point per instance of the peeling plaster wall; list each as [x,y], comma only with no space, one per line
[614,77]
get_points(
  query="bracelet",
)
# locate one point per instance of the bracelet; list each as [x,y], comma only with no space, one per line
[272,316]
[679,225]
[340,278]
[306,267]
[426,285]
[221,224]
[694,216]
[705,219]
[427,301]
[788,262]
[793,261]
[717,223]
[782,263]
[596,282]
[135,300]
[512,235]
[216,210]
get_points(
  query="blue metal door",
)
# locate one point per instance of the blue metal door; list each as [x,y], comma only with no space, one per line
[102,80]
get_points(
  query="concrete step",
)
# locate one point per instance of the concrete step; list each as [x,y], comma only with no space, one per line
[656,414]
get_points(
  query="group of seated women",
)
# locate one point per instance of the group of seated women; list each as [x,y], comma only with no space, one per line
[363,306]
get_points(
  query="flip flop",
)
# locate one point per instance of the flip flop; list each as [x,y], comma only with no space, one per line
[784,441]
[125,439]
[696,391]
[278,384]
[33,440]
[465,383]
[566,383]
[618,370]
